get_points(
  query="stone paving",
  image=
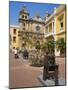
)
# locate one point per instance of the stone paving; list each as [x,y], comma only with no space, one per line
[61,75]
[24,75]
[61,62]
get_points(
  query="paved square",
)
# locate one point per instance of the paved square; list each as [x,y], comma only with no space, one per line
[24,75]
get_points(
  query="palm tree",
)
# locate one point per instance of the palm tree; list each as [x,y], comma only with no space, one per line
[51,46]
[61,46]
[44,47]
[48,46]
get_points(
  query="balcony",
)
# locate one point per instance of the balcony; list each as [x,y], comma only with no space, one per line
[49,34]
[61,30]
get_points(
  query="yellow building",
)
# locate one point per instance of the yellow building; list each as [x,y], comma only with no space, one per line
[33,31]
[61,22]
[55,25]
[14,37]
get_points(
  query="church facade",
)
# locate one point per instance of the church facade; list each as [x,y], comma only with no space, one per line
[33,32]
[31,29]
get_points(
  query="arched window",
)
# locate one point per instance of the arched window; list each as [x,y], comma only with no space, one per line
[25,17]
[14,31]
[22,16]
[23,24]
[37,28]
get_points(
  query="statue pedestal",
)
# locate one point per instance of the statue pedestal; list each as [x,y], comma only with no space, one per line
[51,82]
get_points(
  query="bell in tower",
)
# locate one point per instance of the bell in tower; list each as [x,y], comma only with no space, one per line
[24,13]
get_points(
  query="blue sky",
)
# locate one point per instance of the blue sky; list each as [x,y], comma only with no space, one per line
[15,7]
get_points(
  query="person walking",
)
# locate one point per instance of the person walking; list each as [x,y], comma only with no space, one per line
[15,53]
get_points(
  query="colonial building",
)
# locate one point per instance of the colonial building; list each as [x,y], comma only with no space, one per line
[32,30]
[35,31]
[56,25]
[14,37]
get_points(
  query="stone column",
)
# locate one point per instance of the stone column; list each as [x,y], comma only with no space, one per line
[48,29]
[57,53]
[52,27]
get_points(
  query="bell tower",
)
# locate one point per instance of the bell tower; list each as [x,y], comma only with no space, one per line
[23,18]
[23,25]
[24,13]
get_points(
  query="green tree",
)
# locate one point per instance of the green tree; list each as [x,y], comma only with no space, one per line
[38,46]
[61,46]
[44,47]
[48,46]
[26,39]
[51,45]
